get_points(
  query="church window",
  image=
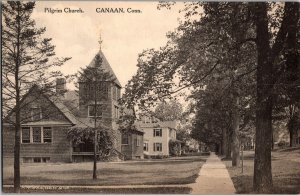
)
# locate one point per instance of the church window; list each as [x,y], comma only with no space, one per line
[114,92]
[125,139]
[36,134]
[47,134]
[25,134]
[99,110]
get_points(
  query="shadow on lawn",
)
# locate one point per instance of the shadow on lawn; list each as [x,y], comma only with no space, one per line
[106,176]
[117,181]
[159,190]
[168,162]
[288,185]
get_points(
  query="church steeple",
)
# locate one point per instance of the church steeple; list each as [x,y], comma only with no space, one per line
[100,41]
[105,64]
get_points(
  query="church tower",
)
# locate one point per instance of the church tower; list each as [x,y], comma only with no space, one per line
[106,89]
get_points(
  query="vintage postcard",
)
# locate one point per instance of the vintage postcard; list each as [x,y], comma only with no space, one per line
[147,97]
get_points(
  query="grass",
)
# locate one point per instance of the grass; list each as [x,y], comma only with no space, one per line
[182,170]
[285,170]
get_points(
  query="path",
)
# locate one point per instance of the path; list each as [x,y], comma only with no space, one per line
[213,178]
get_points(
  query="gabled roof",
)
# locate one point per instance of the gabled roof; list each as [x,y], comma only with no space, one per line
[106,66]
[54,100]
[59,104]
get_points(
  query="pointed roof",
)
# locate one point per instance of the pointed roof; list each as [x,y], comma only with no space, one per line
[106,66]
[55,100]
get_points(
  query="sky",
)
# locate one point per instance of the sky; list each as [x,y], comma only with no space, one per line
[124,35]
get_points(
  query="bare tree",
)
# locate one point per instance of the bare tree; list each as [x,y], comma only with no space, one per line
[27,59]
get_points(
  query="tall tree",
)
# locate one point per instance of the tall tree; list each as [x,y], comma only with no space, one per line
[94,80]
[200,53]
[267,73]
[230,40]
[26,60]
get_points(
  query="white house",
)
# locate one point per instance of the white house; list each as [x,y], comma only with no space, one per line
[157,136]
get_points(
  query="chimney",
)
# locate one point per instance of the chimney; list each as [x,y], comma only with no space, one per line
[60,86]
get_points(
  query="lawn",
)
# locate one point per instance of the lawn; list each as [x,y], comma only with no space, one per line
[285,169]
[158,190]
[181,170]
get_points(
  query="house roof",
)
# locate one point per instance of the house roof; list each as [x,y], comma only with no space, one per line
[84,122]
[59,104]
[167,124]
[46,122]
[106,66]
[56,101]
[72,96]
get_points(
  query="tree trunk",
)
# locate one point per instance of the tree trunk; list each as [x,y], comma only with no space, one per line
[292,54]
[95,156]
[17,179]
[235,139]
[291,138]
[220,148]
[272,138]
[224,142]
[17,182]
[292,62]
[228,149]
[96,132]
[262,180]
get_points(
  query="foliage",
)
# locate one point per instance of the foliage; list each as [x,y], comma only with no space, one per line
[27,57]
[127,118]
[174,148]
[294,123]
[183,132]
[94,80]
[232,57]
[168,111]
[82,135]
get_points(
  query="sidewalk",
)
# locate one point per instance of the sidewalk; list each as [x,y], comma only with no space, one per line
[213,178]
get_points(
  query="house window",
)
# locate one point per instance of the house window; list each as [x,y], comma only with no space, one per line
[25,134]
[47,134]
[91,110]
[36,114]
[117,93]
[37,160]
[137,141]
[114,92]
[116,112]
[36,134]
[125,139]
[145,146]
[45,159]
[27,160]
[157,147]
[157,133]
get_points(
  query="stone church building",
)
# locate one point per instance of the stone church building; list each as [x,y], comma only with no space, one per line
[47,120]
